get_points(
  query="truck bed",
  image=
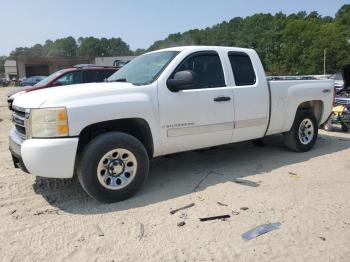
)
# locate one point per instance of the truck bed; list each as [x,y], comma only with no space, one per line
[287,95]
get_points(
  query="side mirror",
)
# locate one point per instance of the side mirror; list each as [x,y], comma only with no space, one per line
[183,80]
[56,83]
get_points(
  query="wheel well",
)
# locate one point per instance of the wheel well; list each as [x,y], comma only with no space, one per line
[136,127]
[315,106]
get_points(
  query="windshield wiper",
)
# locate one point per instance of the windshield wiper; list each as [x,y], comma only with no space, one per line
[119,80]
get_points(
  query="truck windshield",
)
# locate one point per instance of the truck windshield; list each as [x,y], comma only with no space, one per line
[144,69]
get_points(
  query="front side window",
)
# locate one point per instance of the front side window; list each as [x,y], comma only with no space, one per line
[144,69]
[70,79]
[208,69]
[242,68]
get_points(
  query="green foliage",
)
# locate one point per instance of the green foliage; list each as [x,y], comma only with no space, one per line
[69,47]
[2,62]
[92,47]
[291,44]
[139,51]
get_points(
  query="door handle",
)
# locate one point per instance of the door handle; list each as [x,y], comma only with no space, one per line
[222,99]
[326,90]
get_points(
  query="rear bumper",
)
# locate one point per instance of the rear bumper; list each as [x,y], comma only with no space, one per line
[52,158]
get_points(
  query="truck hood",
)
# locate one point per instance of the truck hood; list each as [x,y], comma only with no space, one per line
[59,96]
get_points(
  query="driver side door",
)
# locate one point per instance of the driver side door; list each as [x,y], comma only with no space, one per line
[199,117]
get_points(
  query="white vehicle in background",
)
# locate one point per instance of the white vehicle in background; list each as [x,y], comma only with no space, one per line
[163,102]
[338,81]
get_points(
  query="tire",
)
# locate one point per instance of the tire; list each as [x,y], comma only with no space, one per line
[106,173]
[304,120]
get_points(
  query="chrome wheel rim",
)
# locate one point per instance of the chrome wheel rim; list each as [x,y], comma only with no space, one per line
[117,169]
[306,131]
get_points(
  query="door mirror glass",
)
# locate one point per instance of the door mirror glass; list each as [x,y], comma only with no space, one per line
[183,80]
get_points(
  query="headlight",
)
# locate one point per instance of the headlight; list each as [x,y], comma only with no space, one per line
[49,122]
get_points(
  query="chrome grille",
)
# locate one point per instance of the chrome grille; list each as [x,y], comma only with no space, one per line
[18,119]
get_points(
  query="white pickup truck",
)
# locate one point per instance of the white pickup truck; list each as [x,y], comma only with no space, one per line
[162,102]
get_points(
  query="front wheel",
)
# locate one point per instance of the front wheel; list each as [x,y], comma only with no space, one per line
[304,131]
[113,167]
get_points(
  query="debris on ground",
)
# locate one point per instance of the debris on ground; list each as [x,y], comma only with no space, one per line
[99,231]
[246,182]
[180,224]
[13,211]
[222,204]
[172,212]
[235,213]
[183,216]
[223,217]
[244,208]
[323,238]
[260,230]
[200,197]
[142,231]
[294,175]
[46,211]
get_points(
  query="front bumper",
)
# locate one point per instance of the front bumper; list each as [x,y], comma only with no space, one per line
[52,158]
[15,149]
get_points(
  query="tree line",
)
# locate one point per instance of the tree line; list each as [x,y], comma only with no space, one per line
[292,44]
[287,44]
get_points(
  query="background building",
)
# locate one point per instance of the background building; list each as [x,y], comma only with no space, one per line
[27,67]
[10,69]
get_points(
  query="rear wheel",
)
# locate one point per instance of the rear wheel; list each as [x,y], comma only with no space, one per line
[303,134]
[113,167]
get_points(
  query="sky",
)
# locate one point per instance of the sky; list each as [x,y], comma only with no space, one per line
[138,23]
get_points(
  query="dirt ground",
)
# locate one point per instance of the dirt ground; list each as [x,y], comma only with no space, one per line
[307,193]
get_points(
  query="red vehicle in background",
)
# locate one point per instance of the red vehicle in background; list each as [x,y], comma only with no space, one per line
[78,74]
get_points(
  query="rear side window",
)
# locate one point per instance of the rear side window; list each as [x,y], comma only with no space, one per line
[105,74]
[96,76]
[242,68]
[207,67]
